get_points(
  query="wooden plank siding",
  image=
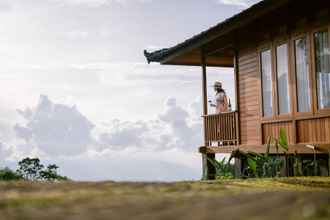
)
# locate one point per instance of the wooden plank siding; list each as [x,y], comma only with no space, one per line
[248,96]
[313,130]
[301,128]
[273,129]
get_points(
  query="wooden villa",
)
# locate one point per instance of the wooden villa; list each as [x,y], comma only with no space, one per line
[280,53]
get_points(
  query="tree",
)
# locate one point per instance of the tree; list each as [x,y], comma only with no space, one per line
[30,168]
[50,173]
[7,174]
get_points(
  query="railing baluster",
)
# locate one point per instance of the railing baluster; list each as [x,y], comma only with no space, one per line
[222,127]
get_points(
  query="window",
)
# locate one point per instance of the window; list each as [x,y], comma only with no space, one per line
[322,63]
[266,74]
[302,76]
[283,79]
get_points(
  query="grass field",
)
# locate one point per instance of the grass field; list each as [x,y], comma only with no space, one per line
[284,198]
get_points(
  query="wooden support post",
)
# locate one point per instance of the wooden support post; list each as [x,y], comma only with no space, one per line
[298,165]
[209,172]
[208,168]
[204,95]
[236,79]
[329,162]
[238,168]
[315,163]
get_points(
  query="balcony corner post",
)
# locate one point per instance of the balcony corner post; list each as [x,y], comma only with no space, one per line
[208,169]
[237,101]
[204,95]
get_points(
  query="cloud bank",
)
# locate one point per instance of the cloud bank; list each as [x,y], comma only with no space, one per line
[162,148]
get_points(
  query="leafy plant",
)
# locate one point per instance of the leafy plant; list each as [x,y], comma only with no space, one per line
[223,168]
[264,165]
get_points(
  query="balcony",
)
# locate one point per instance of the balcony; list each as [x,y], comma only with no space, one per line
[222,129]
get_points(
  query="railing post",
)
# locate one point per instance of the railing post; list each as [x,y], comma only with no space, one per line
[237,128]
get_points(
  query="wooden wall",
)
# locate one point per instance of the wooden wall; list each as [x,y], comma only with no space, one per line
[273,129]
[253,131]
[312,127]
[248,96]
[313,130]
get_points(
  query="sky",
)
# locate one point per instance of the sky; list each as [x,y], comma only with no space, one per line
[76,89]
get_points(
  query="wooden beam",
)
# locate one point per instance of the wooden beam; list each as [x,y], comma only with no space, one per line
[299,148]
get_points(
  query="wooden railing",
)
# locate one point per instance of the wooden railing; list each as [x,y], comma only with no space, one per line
[222,129]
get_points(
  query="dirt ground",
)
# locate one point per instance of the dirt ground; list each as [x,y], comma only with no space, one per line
[284,198]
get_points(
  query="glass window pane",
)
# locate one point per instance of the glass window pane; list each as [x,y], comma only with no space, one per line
[322,54]
[283,79]
[266,72]
[302,75]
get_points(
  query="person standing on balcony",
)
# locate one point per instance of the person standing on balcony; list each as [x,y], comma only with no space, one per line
[221,99]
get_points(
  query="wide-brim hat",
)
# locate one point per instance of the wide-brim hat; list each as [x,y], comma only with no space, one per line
[217,84]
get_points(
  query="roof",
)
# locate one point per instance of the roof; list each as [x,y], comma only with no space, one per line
[237,21]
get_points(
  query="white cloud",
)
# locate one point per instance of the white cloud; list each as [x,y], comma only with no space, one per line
[4,6]
[56,129]
[163,148]
[97,3]
[242,3]
[5,152]
[77,35]
[173,128]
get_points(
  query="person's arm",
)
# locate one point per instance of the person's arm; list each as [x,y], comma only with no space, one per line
[226,105]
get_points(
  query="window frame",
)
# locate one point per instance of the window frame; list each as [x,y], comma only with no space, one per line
[277,44]
[271,44]
[294,75]
[317,111]
[262,49]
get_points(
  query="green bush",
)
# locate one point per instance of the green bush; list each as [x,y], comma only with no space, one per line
[264,165]
[7,174]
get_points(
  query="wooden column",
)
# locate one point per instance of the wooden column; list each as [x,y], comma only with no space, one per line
[238,168]
[236,79]
[208,169]
[204,94]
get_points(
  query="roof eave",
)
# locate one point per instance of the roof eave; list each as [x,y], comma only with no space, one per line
[164,56]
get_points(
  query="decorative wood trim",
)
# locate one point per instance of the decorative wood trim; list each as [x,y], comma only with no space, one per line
[297,118]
